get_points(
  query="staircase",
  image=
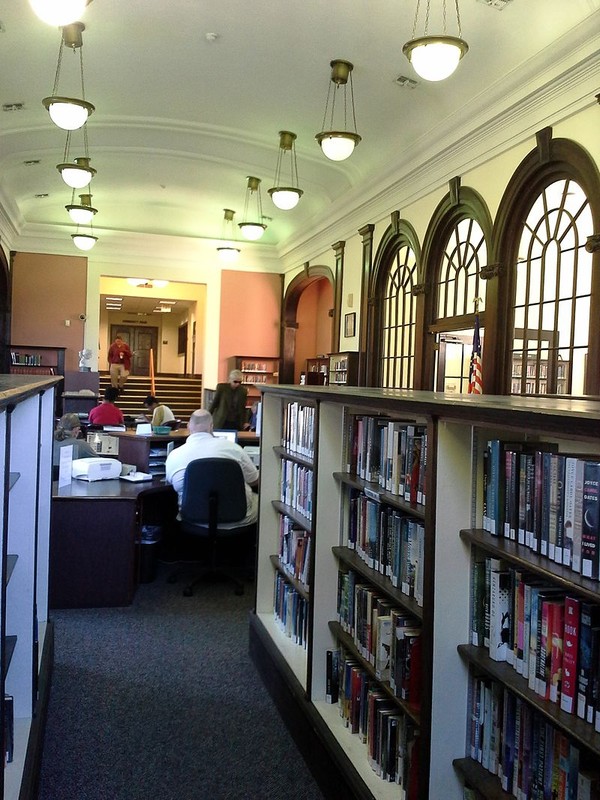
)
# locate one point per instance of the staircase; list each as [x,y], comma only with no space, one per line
[182,394]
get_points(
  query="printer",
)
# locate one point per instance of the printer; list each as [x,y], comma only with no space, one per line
[95,469]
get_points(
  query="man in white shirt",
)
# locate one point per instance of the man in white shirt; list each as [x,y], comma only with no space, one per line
[201,443]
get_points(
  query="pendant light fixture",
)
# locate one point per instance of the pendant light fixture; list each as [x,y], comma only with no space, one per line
[335,144]
[83,213]
[78,173]
[253,228]
[286,197]
[228,252]
[69,113]
[83,240]
[59,12]
[435,58]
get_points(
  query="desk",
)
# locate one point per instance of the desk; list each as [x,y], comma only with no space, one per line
[94,539]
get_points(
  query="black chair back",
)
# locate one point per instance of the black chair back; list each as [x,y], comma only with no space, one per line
[214,491]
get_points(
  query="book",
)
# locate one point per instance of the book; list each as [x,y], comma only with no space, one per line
[499,614]
[332,685]
[590,531]
[589,620]
[570,654]
[9,728]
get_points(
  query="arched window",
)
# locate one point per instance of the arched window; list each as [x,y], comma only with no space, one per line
[392,336]
[553,287]
[397,351]
[459,284]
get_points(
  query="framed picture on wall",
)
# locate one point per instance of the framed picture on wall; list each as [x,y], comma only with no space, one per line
[350,325]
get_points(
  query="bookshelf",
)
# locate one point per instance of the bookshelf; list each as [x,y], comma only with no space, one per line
[255,370]
[316,372]
[26,426]
[34,360]
[453,669]
[343,369]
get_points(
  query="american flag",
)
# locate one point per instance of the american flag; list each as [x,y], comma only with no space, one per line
[476,367]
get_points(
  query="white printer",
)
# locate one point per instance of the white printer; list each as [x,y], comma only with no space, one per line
[96,469]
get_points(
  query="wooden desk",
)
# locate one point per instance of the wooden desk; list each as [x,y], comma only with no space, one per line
[94,539]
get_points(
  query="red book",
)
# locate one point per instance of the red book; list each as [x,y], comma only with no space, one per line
[557,628]
[570,651]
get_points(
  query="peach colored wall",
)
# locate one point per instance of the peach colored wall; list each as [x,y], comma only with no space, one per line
[250,314]
[47,293]
[313,336]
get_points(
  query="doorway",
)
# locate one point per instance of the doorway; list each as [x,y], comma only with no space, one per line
[453,361]
[141,339]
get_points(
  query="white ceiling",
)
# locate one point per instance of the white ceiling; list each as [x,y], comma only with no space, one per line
[180,121]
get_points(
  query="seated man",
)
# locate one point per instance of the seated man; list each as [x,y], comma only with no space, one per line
[107,413]
[67,433]
[202,444]
[160,414]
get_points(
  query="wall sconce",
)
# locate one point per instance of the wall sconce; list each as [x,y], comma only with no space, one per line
[435,58]
[59,12]
[286,197]
[339,145]
[83,213]
[228,253]
[250,229]
[69,113]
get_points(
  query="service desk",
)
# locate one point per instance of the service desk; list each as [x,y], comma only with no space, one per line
[94,539]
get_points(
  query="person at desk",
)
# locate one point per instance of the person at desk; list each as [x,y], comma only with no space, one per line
[66,435]
[107,413]
[202,444]
[160,412]
[229,403]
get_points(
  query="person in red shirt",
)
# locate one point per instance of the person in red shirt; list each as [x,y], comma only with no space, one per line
[119,361]
[107,413]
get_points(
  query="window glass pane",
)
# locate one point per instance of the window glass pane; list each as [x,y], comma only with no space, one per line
[552,293]
[398,315]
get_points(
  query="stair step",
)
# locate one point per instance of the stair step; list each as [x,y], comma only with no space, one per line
[182,393]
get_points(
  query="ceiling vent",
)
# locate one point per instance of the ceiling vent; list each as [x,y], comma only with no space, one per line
[13,107]
[405,83]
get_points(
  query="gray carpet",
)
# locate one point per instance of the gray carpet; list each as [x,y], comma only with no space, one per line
[160,701]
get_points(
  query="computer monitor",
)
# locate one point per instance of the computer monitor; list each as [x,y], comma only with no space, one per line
[226,434]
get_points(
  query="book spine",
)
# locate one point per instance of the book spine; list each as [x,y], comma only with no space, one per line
[570,654]
[590,520]
[499,614]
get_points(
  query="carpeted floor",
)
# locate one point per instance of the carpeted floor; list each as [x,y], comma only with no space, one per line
[160,701]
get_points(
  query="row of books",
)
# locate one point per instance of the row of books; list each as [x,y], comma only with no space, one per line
[25,359]
[298,435]
[294,549]
[549,636]
[297,487]
[390,453]
[532,758]
[388,541]
[391,738]
[545,500]
[291,611]
[384,635]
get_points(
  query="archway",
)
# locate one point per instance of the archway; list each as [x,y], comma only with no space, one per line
[307,321]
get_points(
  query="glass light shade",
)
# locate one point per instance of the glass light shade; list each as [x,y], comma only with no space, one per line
[252,230]
[82,215]
[67,112]
[435,58]
[58,12]
[84,241]
[284,197]
[228,254]
[77,175]
[338,145]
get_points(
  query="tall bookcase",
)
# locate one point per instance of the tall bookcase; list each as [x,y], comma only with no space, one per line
[26,640]
[255,370]
[458,430]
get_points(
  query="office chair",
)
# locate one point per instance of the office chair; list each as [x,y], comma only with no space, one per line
[214,493]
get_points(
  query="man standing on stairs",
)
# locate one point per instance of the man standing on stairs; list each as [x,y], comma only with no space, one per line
[119,361]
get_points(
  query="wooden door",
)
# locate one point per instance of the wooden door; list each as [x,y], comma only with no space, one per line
[141,339]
